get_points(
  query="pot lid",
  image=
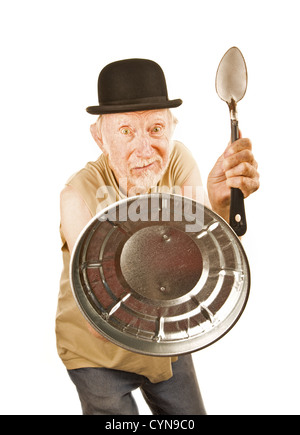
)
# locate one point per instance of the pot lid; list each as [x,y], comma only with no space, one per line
[160,274]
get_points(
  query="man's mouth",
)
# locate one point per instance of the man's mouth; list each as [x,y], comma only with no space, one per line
[144,167]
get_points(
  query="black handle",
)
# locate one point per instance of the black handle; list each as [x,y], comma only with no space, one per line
[237,217]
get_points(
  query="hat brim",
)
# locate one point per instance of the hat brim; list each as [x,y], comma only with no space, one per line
[114,108]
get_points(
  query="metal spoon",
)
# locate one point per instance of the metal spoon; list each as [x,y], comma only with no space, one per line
[231,85]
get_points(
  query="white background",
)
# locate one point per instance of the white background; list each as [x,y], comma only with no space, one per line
[51,55]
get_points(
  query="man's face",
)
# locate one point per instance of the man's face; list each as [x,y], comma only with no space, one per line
[138,146]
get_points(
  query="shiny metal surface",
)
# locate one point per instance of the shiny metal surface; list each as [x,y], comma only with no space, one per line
[231,86]
[231,79]
[153,287]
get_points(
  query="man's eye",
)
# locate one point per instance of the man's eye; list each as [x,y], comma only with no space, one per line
[125,131]
[157,129]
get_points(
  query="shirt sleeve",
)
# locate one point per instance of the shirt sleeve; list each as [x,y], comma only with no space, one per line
[182,163]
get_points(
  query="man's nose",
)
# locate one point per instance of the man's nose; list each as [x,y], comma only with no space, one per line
[143,146]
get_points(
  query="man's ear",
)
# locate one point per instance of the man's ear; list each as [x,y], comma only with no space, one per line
[97,137]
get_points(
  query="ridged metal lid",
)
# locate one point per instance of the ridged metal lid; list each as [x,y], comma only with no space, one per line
[160,275]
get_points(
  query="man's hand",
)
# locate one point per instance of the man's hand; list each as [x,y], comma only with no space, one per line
[236,167]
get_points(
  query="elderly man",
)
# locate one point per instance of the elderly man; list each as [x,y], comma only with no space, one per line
[134,132]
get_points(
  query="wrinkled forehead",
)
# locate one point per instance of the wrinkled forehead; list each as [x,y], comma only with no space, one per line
[151,116]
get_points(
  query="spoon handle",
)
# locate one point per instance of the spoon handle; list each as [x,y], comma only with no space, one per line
[237,217]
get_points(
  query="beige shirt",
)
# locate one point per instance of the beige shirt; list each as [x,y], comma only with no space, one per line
[77,347]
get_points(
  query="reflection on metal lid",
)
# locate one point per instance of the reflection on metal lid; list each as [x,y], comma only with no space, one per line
[153,287]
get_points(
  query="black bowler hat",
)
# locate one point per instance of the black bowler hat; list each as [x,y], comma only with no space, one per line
[131,85]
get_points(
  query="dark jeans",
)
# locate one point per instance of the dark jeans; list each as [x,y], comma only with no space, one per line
[108,392]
